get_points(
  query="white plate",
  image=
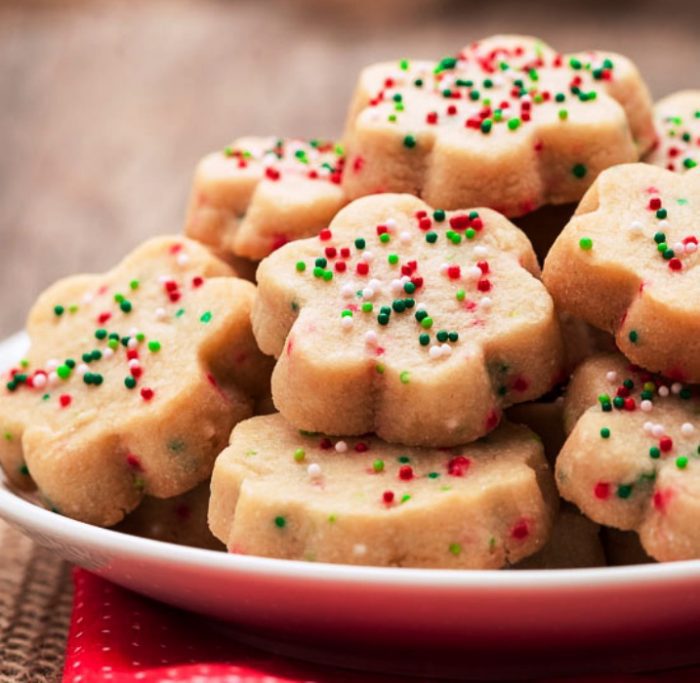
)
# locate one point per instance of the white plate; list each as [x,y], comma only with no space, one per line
[483,624]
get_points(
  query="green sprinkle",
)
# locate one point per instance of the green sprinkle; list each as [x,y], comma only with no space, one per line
[300,266]
[513,124]
[378,465]
[405,498]
[624,491]
[442,336]
[367,307]
[280,522]
[433,475]
[431,237]
[409,141]
[633,336]
[470,233]
[24,470]
[205,317]
[660,237]
[661,213]
[426,323]
[63,371]
[134,284]
[125,306]
[424,339]
[393,259]
[654,453]
[421,315]
[113,344]
[605,433]
[460,295]
[563,114]
[681,462]
[575,63]
[59,310]
[579,171]
[445,63]
[486,126]
[439,215]
[299,455]
[586,243]
[327,275]
[455,549]
[409,288]
[154,346]
[360,243]
[405,377]
[129,382]
[379,367]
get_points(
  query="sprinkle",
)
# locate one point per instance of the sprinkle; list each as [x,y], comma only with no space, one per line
[314,470]
[280,522]
[341,447]
[409,141]
[455,549]
[681,462]
[405,377]
[687,429]
[299,455]
[605,433]
[579,171]
[586,243]
[633,336]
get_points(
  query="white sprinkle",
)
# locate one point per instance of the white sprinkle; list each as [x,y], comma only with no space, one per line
[390,223]
[359,549]
[486,303]
[341,447]
[39,381]
[367,293]
[52,364]
[314,470]
[160,314]
[347,291]
[676,388]
[646,405]
[663,391]
[375,284]
[346,322]
[636,227]
[648,427]
[658,430]
[691,248]
[53,379]
[132,343]
[405,237]
[182,259]
[446,349]
[474,272]
[420,307]
[435,352]
[678,248]
[88,297]
[367,256]
[443,268]
[481,250]
[370,338]
[663,224]
[164,278]
[396,286]
[108,353]
[81,369]
[686,428]
[134,363]
[611,376]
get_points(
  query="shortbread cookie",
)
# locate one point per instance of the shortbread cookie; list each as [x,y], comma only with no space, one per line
[632,458]
[575,542]
[678,130]
[133,381]
[417,324]
[626,263]
[260,193]
[507,123]
[181,520]
[279,493]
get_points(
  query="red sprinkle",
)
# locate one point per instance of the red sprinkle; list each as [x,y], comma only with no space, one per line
[388,497]
[520,531]
[325,234]
[666,444]
[146,394]
[65,400]
[405,473]
[458,466]
[602,490]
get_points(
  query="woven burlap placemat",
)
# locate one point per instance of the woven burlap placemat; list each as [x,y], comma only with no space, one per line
[35,605]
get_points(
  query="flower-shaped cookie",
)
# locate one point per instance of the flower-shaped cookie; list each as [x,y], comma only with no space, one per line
[632,459]
[260,193]
[279,493]
[507,123]
[628,264]
[133,381]
[678,129]
[417,324]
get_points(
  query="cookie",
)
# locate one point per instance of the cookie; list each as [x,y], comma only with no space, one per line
[418,324]
[181,520]
[507,123]
[278,493]
[260,193]
[678,131]
[575,542]
[133,381]
[631,460]
[626,263]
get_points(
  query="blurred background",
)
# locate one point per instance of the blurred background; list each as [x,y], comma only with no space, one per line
[107,105]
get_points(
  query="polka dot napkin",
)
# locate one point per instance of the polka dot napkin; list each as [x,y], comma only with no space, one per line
[120,637]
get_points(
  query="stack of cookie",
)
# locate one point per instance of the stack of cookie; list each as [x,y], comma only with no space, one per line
[411,333]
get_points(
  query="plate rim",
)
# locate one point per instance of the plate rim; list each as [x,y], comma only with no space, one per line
[20,512]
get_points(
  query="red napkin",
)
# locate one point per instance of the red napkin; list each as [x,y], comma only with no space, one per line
[116,635]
